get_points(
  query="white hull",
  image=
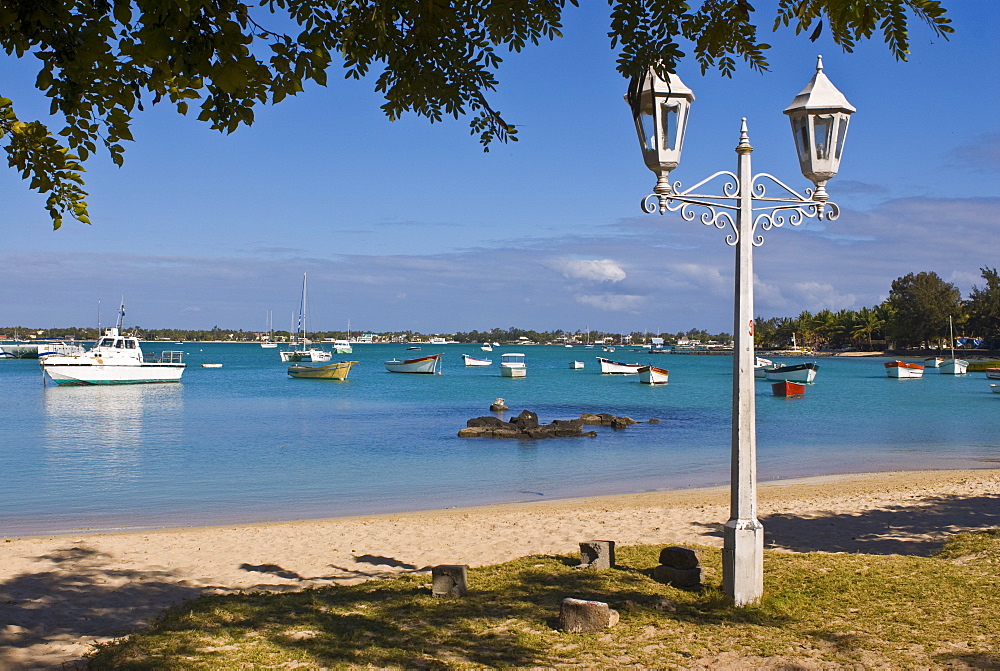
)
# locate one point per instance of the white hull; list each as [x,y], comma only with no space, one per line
[653,375]
[473,361]
[313,355]
[791,373]
[953,367]
[94,373]
[609,367]
[342,347]
[933,362]
[427,365]
[269,345]
[513,370]
[576,365]
[896,369]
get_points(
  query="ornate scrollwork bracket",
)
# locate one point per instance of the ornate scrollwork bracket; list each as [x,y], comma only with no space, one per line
[722,211]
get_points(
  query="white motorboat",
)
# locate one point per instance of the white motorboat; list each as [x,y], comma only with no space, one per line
[609,367]
[487,347]
[342,347]
[762,365]
[576,365]
[903,369]
[653,375]
[301,353]
[801,372]
[512,365]
[114,359]
[428,365]
[473,361]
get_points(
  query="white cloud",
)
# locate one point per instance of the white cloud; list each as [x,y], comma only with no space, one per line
[596,270]
[613,302]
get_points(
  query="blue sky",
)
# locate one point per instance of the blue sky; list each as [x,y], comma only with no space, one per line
[409,225]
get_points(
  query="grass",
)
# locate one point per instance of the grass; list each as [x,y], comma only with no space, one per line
[819,609]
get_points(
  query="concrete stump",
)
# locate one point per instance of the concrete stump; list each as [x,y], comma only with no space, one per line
[597,554]
[577,616]
[679,557]
[450,580]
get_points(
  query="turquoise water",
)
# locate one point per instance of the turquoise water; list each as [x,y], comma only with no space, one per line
[246,443]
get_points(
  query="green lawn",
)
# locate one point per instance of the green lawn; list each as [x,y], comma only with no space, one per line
[827,609]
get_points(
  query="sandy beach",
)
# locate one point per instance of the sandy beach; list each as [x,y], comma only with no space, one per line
[59,594]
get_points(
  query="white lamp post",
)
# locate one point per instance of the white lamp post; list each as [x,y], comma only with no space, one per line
[819,117]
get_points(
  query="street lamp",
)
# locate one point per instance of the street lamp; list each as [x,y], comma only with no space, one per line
[819,117]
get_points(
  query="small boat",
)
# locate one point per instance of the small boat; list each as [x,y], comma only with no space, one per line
[333,371]
[428,365]
[608,349]
[609,367]
[114,359]
[802,372]
[211,365]
[933,362]
[512,365]
[576,365]
[487,347]
[953,366]
[762,365]
[473,361]
[993,373]
[653,375]
[269,345]
[786,388]
[995,388]
[903,369]
[413,347]
[342,347]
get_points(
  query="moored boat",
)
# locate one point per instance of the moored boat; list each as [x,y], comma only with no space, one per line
[428,365]
[787,388]
[933,362]
[995,388]
[576,365]
[993,373]
[342,347]
[609,367]
[333,371]
[762,365]
[801,372]
[512,365]
[953,366]
[473,361]
[301,353]
[903,369]
[114,359]
[211,365]
[653,375]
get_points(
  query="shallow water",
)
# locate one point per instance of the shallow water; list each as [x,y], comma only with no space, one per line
[247,443]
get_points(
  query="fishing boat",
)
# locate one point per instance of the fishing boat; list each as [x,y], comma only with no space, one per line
[473,361]
[800,372]
[786,388]
[609,367]
[903,369]
[953,366]
[653,375]
[302,353]
[429,365]
[114,359]
[512,365]
[333,371]
[342,347]
[933,362]
[576,365]
[486,348]
[993,373]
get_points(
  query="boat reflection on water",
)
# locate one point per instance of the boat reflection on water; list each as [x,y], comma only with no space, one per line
[98,432]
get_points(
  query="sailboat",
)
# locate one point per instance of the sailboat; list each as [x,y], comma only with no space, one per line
[269,343]
[301,353]
[952,366]
[344,346]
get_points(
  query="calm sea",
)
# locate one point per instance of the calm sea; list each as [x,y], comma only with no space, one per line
[246,443]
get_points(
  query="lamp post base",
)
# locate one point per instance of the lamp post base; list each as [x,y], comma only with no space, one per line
[743,560]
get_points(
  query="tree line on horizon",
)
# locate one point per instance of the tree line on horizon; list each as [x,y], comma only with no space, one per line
[915,314]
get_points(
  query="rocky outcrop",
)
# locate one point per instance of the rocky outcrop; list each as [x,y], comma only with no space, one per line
[526,425]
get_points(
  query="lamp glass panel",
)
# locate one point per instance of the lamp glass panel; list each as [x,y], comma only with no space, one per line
[669,117]
[647,130]
[823,125]
[841,134]
[800,131]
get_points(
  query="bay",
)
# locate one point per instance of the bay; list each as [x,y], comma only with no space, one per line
[245,443]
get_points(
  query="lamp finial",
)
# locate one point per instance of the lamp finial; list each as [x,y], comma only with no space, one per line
[819,63]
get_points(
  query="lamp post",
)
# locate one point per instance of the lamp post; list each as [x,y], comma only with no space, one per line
[819,117]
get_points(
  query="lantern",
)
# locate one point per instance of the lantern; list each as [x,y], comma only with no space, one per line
[660,111]
[819,116]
